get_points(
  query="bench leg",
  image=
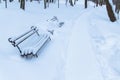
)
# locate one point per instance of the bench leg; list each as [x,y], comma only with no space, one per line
[19,49]
[29,55]
[36,55]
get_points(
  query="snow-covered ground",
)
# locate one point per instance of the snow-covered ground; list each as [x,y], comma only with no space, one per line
[86,47]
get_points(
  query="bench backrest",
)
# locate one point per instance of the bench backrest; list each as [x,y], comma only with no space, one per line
[17,40]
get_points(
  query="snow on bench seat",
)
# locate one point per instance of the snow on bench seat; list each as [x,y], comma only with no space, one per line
[35,48]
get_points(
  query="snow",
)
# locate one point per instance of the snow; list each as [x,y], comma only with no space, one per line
[85,47]
[105,41]
[81,62]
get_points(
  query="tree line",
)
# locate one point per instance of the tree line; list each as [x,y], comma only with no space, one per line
[109,9]
[46,2]
[73,2]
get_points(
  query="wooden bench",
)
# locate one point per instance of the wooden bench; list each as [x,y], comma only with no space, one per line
[31,50]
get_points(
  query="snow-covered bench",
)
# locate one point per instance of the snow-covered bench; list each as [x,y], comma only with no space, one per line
[33,49]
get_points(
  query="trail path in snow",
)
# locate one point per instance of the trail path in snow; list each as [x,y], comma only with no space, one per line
[81,61]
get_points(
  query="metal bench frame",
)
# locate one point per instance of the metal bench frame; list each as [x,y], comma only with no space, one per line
[26,35]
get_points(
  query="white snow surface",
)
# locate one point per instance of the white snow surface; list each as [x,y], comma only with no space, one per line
[85,47]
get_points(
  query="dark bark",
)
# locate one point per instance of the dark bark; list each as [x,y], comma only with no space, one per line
[85,3]
[101,2]
[10,0]
[22,4]
[110,11]
[5,3]
[75,2]
[117,7]
[97,3]
[58,4]
[71,2]
[52,1]
[45,6]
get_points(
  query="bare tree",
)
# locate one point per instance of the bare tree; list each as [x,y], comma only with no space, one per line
[96,2]
[117,8]
[66,2]
[75,1]
[45,4]
[5,3]
[71,2]
[85,3]
[110,11]
[58,3]
[22,4]
[10,0]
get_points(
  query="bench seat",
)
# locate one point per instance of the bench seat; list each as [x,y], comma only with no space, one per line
[33,50]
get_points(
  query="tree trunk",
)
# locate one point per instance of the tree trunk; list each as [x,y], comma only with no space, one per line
[117,9]
[45,6]
[58,3]
[52,1]
[71,2]
[75,2]
[85,3]
[97,3]
[101,2]
[66,2]
[22,4]
[5,3]
[110,11]
[10,0]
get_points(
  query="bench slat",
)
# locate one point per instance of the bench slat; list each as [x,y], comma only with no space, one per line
[24,51]
[34,50]
[42,44]
[12,40]
[25,38]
